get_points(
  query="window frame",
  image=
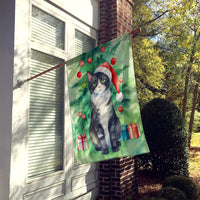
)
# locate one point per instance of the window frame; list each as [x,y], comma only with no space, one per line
[70,24]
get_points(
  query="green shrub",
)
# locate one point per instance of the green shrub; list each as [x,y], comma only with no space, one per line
[171,193]
[167,138]
[183,183]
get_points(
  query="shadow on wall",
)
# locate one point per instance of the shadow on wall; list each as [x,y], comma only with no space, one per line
[30,153]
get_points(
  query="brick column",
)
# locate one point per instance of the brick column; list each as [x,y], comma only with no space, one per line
[117,177]
[115,19]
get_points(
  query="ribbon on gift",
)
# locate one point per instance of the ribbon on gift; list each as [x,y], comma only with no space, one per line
[133,130]
[82,142]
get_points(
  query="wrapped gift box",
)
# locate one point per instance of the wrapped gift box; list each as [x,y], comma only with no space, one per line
[133,130]
[82,142]
[124,133]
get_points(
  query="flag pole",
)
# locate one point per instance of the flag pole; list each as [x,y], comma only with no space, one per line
[133,34]
[20,83]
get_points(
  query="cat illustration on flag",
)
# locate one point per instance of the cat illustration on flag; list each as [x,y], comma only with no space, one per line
[105,127]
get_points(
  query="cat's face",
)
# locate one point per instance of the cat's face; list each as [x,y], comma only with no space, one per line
[98,83]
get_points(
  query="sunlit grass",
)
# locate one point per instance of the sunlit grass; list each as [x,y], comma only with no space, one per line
[195,142]
[194,159]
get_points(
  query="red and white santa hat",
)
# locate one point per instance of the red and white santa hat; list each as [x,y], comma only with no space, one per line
[110,72]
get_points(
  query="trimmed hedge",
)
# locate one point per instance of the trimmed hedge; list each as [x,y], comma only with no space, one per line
[171,193]
[167,138]
[183,183]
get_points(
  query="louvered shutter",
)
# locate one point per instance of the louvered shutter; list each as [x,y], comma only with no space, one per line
[83,43]
[45,135]
[46,28]
[45,141]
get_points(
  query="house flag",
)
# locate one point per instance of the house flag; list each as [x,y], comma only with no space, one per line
[105,114]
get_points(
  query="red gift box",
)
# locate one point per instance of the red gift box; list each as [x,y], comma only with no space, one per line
[82,142]
[133,130]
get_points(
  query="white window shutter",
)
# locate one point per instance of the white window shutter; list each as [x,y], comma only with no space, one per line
[45,134]
[83,42]
[47,29]
[45,139]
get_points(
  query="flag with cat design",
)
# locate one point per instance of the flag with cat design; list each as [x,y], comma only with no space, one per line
[104,109]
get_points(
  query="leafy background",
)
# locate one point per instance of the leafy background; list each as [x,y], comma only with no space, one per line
[80,102]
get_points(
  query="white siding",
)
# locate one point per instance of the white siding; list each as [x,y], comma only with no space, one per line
[86,10]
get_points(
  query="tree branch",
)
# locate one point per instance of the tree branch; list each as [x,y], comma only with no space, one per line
[151,88]
[150,21]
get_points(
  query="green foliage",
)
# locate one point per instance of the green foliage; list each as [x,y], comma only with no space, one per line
[183,183]
[149,70]
[149,67]
[171,193]
[144,14]
[181,39]
[178,32]
[196,124]
[167,138]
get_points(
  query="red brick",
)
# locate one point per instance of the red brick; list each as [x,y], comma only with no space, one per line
[118,177]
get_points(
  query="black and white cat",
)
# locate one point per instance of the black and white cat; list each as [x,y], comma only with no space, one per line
[105,127]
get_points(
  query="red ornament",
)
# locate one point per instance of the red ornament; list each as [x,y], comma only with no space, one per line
[89,60]
[79,114]
[113,61]
[83,116]
[120,109]
[121,80]
[79,74]
[102,49]
[81,63]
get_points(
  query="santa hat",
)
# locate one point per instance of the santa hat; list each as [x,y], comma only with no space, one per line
[110,72]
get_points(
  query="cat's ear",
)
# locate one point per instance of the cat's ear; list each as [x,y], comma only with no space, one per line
[89,75]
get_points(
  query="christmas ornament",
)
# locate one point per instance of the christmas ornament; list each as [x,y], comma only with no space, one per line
[120,109]
[121,80]
[102,49]
[79,74]
[89,60]
[83,116]
[110,72]
[83,85]
[79,114]
[113,61]
[81,63]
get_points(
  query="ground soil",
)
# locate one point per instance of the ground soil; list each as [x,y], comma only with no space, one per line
[149,186]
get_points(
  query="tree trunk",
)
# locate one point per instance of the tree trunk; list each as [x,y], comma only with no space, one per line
[193,109]
[188,74]
[198,99]
[185,91]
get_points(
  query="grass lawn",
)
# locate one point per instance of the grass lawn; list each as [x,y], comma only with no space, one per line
[194,160]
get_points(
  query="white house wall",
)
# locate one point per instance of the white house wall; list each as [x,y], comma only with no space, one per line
[70,183]
[6,88]
[86,10]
